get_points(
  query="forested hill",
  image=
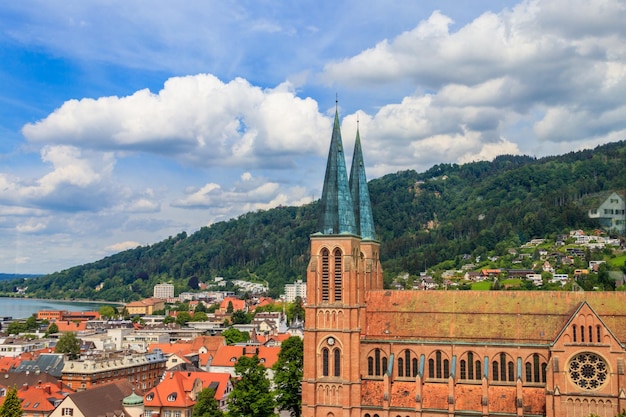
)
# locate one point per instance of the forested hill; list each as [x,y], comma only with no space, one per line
[421,218]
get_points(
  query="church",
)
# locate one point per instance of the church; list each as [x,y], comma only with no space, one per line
[371,352]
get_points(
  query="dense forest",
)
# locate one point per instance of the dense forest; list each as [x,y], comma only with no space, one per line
[421,219]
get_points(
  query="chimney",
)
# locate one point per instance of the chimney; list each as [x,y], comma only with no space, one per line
[25,386]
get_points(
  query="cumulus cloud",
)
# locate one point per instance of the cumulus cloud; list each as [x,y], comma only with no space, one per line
[197,119]
[248,194]
[556,66]
[77,180]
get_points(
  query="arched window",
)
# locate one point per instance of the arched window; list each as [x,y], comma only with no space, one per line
[599,333]
[536,369]
[325,361]
[325,274]
[407,360]
[590,334]
[407,364]
[504,369]
[337,361]
[574,332]
[469,368]
[439,367]
[376,363]
[582,334]
[338,274]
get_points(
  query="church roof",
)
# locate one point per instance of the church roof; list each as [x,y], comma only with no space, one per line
[519,317]
[360,193]
[336,210]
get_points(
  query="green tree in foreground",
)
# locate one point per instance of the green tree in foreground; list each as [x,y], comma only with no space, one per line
[233,335]
[251,396]
[12,406]
[107,312]
[206,405]
[52,329]
[68,344]
[288,376]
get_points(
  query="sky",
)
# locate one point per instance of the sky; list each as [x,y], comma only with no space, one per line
[124,122]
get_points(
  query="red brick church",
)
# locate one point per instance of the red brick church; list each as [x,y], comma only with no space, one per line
[371,352]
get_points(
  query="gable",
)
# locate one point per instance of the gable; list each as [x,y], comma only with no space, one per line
[585,327]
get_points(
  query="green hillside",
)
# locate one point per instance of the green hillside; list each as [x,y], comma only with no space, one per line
[422,219]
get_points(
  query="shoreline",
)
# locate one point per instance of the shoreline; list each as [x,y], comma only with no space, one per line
[65,300]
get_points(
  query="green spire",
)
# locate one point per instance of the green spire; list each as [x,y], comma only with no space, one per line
[336,214]
[360,193]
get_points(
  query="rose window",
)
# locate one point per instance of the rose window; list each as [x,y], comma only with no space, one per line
[588,370]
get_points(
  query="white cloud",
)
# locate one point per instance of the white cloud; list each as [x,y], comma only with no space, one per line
[195,119]
[122,246]
[531,64]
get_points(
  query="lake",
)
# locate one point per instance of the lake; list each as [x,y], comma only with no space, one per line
[20,308]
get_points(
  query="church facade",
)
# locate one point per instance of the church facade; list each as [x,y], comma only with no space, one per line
[371,352]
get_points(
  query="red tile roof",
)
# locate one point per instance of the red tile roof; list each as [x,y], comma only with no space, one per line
[477,316]
[268,355]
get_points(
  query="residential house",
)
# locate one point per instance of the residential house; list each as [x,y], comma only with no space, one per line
[611,213]
[178,392]
[102,400]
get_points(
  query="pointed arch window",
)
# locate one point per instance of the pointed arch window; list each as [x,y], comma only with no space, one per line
[438,367]
[338,274]
[503,370]
[325,359]
[325,274]
[376,363]
[536,369]
[337,362]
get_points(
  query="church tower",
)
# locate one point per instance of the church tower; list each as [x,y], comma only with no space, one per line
[344,264]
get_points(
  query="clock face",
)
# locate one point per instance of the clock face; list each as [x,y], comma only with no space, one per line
[330,341]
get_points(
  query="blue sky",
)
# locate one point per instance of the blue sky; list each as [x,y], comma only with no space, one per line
[125,122]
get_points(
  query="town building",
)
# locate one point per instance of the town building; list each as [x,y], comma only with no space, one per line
[163,291]
[297,289]
[145,307]
[371,352]
[142,370]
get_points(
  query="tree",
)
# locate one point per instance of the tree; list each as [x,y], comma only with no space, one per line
[69,344]
[232,336]
[251,396]
[206,405]
[183,317]
[241,317]
[12,406]
[288,376]
[15,327]
[200,316]
[107,312]
[31,323]
[229,308]
[52,329]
